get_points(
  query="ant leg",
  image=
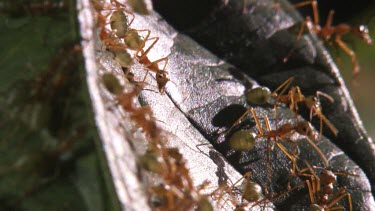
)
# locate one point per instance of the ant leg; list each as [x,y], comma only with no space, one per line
[351,53]
[331,127]
[205,144]
[165,59]
[247,175]
[144,54]
[310,187]
[284,86]
[161,75]
[239,120]
[320,128]
[269,173]
[292,104]
[131,14]
[299,36]
[329,19]
[144,78]
[300,97]
[341,195]
[291,157]
[316,111]
[287,192]
[140,49]
[327,96]
[259,127]
[318,151]
[266,121]
[314,5]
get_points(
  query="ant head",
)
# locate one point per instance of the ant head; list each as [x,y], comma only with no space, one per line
[312,101]
[362,32]
[305,128]
[161,79]
[327,177]
[174,153]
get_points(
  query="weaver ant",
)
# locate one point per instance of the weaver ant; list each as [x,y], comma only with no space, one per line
[133,41]
[321,189]
[332,34]
[251,192]
[118,20]
[245,139]
[295,96]
[168,163]
[142,116]
[262,95]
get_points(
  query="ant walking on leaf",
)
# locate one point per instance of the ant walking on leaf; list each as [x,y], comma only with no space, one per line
[295,96]
[135,42]
[243,140]
[251,192]
[332,34]
[262,95]
[321,189]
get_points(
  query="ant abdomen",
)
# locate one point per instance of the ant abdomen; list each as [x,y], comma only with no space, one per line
[112,84]
[242,140]
[133,40]
[258,96]
[252,192]
[119,24]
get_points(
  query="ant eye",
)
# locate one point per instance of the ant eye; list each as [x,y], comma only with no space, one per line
[363,29]
[305,129]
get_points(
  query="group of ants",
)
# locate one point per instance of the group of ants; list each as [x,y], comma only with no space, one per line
[177,190]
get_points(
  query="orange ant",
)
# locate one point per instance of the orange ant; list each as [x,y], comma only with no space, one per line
[141,116]
[295,96]
[262,95]
[135,42]
[332,34]
[118,20]
[178,190]
[244,139]
[252,192]
[168,163]
[161,74]
[321,189]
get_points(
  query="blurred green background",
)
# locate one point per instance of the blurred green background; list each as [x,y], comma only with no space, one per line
[362,88]
[49,147]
